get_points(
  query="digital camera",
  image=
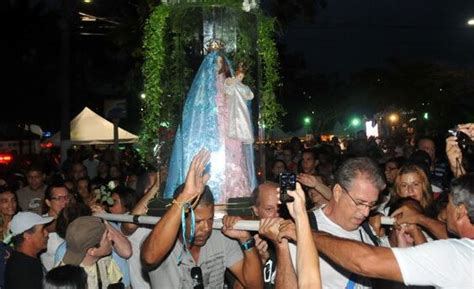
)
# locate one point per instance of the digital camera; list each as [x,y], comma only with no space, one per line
[466,144]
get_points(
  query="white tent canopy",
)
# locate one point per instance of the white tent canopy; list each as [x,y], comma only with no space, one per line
[89,128]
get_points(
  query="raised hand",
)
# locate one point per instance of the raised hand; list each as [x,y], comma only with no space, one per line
[406,214]
[453,152]
[308,180]
[298,206]
[467,128]
[403,238]
[195,179]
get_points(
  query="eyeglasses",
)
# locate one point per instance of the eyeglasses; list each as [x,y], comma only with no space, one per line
[60,198]
[196,275]
[360,205]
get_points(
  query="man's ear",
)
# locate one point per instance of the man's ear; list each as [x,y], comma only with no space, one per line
[336,192]
[48,203]
[91,251]
[255,211]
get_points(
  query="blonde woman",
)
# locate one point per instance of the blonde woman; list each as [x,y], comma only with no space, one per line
[412,182]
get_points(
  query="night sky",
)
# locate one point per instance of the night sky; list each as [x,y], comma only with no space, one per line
[349,35]
[344,37]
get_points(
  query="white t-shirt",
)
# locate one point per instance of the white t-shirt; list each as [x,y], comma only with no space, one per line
[137,273]
[443,264]
[47,258]
[332,275]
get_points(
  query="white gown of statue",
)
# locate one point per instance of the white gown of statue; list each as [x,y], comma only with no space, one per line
[240,125]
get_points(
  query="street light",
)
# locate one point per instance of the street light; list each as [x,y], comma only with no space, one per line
[355,122]
[470,22]
[307,120]
[426,115]
[393,118]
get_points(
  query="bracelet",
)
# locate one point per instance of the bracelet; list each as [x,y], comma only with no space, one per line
[248,245]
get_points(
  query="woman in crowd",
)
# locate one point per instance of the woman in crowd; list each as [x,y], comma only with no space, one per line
[392,167]
[84,191]
[412,182]
[278,167]
[8,208]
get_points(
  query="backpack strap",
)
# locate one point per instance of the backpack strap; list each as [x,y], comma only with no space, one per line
[313,223]
[366,226]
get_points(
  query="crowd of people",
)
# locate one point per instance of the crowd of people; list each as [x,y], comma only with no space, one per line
[334,234]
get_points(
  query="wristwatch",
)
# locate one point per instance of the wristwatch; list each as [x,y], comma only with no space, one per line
[247,245]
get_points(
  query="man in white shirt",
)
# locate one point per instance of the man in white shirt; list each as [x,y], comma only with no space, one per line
[358,183]
[443,263]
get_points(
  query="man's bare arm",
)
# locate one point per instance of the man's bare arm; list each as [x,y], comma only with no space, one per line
[286,275]
[163,236]
[357,257]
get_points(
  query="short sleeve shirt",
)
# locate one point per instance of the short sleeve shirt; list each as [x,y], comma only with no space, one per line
[332,275]
[443,264]
[215,256]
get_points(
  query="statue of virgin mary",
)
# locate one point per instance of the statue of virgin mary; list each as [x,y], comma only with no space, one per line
[204,124]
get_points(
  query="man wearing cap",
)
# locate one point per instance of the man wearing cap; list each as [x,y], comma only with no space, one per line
[89,245]
[29,238]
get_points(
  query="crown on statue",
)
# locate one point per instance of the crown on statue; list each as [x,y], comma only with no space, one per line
[215,45]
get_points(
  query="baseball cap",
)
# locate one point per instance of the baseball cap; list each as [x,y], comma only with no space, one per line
[83,233]
[24,221]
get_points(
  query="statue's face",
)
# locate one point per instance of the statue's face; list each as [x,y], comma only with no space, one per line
[220,63]
[240,76]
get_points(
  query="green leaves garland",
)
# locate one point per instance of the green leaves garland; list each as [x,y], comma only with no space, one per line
[153,66]
[167,74]
[270,109]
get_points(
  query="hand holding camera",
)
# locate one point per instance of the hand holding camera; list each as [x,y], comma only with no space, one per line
[287,183]
[460,148]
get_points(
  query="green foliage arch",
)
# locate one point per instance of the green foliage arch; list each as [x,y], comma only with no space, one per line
[171,51]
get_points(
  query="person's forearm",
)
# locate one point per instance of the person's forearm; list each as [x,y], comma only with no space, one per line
[357,257]
[122,246]
[307,258]
[140,208]
[162,237]
[324,190]
[418,237]
[286,276]
[252,270]
[435,227]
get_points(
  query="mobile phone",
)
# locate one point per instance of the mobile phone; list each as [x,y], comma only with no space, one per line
[287,182]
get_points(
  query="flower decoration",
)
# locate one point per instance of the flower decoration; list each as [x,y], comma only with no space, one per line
[104,193]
